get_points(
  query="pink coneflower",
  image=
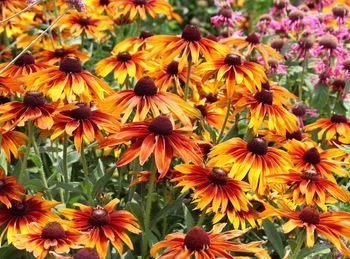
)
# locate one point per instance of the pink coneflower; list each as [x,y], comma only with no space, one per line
[303,46]
[280,7]
[342,68]
[329,46]
[295,20]
[226,16]
[318,4]
[275,66]
[340,12]
[300,110]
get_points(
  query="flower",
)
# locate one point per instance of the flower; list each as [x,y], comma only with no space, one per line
[10,86]
[189,44]
[212,187]
[11,141]
[253,158]
[84,124]
[226,16]
[331,225]
[335,127]
[329,45]
[40,238]
[123,64]
[68,82]
[99,6]
[198,243]
[33,108]
[134,44]
[77,4]
[158,136]
[9,189]
[23,66]
[309,156]
[23,212]
[309,187]
[101,224]
[147,98]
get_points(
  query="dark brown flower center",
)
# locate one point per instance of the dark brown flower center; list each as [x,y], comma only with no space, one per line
[60,53]
[34,99]
[329,41]
[273,63]
[338,118]
[280,4]
[212,98]
[71,64]
[225,11]
[145,87]
[25,59]
[104,2]
[310,215]
[191,33]
[124,56]
[338,84]
[233,60]
[277,44]
[296,15]
[19,208]
[4,99]
[84,21]
[146,34]
[207,148]
[197,239]
[265,18]
[312,156]
[299,109]
[203,110]
[346,64]
[2,184]
[253,38]
[264,96]
[211,37]
[81,113]
[266,86]
[53,230]
[340,11]
[257,146]
[99,217]
[173,68]
[258,206]
[294,135]
[218,176]
[139,2]
[310,175]
[87,253]
[161,125]
[306,43]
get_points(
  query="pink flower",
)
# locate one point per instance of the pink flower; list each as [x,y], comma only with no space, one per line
[226,16]
[77,4]
[329,46]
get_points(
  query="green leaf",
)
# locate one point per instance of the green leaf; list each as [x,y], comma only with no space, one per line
[13,253]
[274,237]
[101,183]
[339,107]
[3,162]
[321,96]
[316,249]
[36,159]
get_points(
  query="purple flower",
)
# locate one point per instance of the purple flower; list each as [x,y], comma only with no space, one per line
[226,16]
[77,4]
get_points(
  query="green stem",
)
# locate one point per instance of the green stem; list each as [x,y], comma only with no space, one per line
[34,41]
[18,13]
[201,217]
[65,166]
[300,241]
[300,90]
[188,75]
[86,172]
[25,159]
[82,40]
[225,121]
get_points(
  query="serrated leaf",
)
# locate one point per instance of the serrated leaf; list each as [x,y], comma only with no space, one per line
[274,237]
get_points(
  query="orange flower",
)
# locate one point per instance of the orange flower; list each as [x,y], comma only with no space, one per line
[23,66]
[252,41]
[331,225]
[10,86]
[212,187]
[190,43]
[83,123]
[11,141]
[123,64]
[101,224]
[158,136]
[68,81]
[23,212]
[253,158]
[336,127]
[32,108]
[309,187]
[12,5]
[147,98]
[273,136]
[198,243]
[9,189]
[234,70]
[308,156]
[43,237]
[133,44]
[99,6]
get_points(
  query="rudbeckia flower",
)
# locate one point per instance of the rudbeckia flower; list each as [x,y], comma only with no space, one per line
[28,209]
[251,42]
[84,124]
[123,64]
[133,44]
[33,108]
[23,66]
[41,238]
[331,225]
[189,44]
[337,127]
[12,5]
[198,243]
[10,86]
[253,158]
[309,187]
[68,82]
[212,187]
[234,70]
[100,6]
[157,136]
[309,156]
[9,189]
[147,98]
[11,141]
[101,224]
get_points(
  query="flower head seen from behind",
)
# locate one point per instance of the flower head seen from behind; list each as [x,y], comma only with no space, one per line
[100,224]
